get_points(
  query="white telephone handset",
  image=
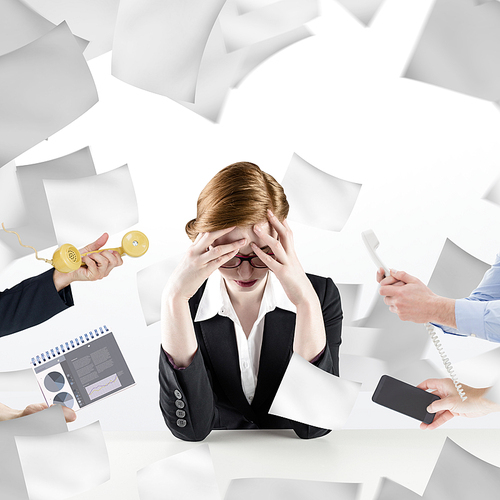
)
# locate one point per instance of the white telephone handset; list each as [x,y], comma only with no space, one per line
[372,244]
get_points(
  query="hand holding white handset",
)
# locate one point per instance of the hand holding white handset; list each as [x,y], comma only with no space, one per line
[372,244]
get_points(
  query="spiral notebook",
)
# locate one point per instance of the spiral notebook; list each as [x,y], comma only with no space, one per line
[82,371]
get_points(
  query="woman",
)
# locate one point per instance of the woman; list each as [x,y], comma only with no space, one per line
[227,336]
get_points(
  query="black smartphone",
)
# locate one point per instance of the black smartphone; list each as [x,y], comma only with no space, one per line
[404,398]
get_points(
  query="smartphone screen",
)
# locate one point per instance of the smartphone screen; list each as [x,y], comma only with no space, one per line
[404,398]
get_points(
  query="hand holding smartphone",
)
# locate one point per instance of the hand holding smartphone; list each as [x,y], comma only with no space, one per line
[404,398]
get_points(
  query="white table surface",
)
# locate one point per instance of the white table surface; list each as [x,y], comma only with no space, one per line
[364,456]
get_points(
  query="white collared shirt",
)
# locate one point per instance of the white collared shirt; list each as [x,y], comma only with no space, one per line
[215,300]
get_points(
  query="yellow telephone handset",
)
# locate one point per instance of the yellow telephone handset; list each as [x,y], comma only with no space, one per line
[67,258]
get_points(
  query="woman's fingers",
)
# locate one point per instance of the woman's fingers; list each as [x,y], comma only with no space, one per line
[218,251]
[269,261]
[275,245]
[208,238]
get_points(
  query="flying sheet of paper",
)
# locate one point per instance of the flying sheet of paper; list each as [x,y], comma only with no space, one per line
[367,371]
[189,475]
[391,490]
[217,72]
[401,342]
[150,283]
[11,201]
[493,194]
[18,381]
[45,85]
[62,465]
[457,272]
[291,489]
[310,395]
[267,22]
[83,209]
[459,48]
[445,481]
[349,298]
[39,232]
[158,46]
[480,371]
[334,197]
[20,25]
[363,10]
[417,372]
[49,421]
[258,52]
[93,20]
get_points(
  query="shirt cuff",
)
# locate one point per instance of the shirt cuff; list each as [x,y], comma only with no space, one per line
[469,315]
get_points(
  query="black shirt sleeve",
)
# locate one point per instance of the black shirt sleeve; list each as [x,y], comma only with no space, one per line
[31,302]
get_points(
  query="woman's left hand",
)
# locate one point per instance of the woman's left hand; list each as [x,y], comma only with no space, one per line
[285,264]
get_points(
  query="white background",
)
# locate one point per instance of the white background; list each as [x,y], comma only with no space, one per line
[424,155]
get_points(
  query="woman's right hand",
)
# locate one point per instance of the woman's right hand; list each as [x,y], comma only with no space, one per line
[199,262]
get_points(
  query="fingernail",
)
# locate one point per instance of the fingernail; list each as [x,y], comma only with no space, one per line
[242,241]
[257,228]
[270,212]
[393,271]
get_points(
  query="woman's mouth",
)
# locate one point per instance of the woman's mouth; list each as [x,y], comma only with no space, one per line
[245,284]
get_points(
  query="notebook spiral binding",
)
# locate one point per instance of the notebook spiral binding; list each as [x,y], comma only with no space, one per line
[447,364]
[68,346]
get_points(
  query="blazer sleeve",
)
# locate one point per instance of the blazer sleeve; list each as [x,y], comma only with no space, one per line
[186,398]
[329,297]
[31,302]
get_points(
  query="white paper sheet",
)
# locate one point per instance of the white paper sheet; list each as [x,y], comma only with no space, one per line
[401,342]
[459,474]
[150,283]
[45,85]
[334,198]
[158,45]
[18,381]
[480,371]
[12,211]
[258,52]
[39,231]
[289,489]
[189,475]
[267,22]
[20,25]
[84,208]
[367,371]
[62,465]
[390,490]
[93,20]
[458,49]
[457,272]
[310,395]
[363,10]
[417,372]
[50,421]
[217,72]
[493,193]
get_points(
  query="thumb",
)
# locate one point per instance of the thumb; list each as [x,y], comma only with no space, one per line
[92,247]
[402,276]
[440,405]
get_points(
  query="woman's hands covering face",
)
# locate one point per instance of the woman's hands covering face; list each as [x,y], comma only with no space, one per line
[200,261]
[285,264]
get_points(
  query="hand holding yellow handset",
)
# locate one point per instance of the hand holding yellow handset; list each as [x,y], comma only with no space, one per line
[67,258]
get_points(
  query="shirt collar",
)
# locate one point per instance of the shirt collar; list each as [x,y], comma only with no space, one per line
[215,299]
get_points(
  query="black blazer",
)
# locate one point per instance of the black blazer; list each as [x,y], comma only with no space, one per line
[208,393]
[31,302]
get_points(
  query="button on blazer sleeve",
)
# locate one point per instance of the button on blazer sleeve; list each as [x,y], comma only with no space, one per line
[31,302]
[188,390]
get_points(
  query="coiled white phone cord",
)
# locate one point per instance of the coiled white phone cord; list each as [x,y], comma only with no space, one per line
[447,364]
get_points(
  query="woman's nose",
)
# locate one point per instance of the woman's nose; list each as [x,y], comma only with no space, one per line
[245,270]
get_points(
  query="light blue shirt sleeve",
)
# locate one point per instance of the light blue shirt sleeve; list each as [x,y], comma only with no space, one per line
[479,314]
